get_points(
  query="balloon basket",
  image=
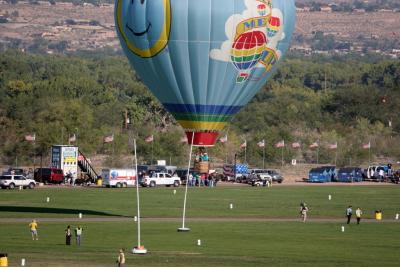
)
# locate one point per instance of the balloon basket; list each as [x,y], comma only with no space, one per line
[139,250]
[183,229]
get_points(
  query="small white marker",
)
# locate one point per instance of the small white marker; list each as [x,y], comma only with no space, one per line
[135,218]
[80,215]
[342,228]
[22,262]
[231,206]
[20,187]
[397,216]
[47,199]
[329,197]
[199,242]
[174,191]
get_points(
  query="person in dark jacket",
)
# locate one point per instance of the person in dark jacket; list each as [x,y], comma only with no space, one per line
[68,235]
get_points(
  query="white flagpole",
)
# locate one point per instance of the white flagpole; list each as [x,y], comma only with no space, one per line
[263,154]
[139,249]
[183,228]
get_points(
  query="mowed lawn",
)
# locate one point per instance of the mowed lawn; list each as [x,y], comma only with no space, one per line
[224,243]
[248,202]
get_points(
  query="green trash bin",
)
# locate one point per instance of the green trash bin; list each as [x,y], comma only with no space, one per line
[3,260]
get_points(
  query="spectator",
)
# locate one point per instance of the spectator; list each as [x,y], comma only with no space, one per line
[78,233]
[358,215]
[68,236]
[381,175]
[121,258]
[33,226]
[349,212]
[303,211]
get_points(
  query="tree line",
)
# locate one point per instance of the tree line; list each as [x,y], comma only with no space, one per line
[318,99]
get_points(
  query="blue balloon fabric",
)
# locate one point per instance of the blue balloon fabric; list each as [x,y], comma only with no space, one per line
[204,59]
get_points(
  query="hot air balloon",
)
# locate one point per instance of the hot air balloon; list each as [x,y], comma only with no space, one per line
[273,26]
[203,60]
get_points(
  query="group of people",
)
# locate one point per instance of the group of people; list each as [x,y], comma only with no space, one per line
[201,180]
[349,213]
[201,155]
[68,235]
[33,226]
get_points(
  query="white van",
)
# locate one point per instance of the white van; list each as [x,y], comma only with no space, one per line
[118,177]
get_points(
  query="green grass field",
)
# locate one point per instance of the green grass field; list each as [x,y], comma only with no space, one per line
[224,243]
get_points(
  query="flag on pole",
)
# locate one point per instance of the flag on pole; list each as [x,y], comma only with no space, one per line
[367,146]
[30,137]
[332,146]
[149,139]
[314,145]
[244,145]
[109,139]
[280,144]
[183,139]
[224,139]
[261,143]
[72,138]
[296,145]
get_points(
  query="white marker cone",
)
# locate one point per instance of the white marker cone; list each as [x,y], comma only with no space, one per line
[397,216]
[80,215]
[22,262]
[135,218]
[342,228]
[329,197]
[199,242]
[231,206]
[174,191]
[47,199]
[20,187]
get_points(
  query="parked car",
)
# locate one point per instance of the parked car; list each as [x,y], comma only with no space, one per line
[15,171]
[161,178]
[265,174]
[12,180]
[182,173]
[350,174]
[49,175]
[319,175]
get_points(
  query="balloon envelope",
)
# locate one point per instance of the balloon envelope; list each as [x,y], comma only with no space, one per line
[204,60]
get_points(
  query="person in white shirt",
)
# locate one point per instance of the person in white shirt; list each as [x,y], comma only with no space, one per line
[358,215]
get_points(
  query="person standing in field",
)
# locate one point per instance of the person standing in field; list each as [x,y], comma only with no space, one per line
[303,211]
[78,233]
[121,258]
[358,215]
[68,236]
[33,226]
[349,212]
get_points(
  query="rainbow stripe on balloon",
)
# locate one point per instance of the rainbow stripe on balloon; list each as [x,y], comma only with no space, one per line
[202,117]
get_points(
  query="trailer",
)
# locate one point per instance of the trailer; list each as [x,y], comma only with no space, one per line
[118,177]
[65,158]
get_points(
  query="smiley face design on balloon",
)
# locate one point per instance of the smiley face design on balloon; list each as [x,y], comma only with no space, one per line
[144,25]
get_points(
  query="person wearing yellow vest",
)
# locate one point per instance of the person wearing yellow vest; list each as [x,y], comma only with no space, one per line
[33,226]
[358,215]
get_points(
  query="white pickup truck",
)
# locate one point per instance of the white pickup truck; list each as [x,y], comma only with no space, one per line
[161,178]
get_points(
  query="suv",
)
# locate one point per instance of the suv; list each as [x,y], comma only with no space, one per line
[265,174]
[161,178]
[49,175]
[11,181]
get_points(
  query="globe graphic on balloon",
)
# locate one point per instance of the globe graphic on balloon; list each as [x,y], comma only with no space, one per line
[204,60]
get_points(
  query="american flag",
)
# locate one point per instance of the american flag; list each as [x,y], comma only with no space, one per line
[280,144]
[332,146]
[296,145]
[244,145]
[30,137]
[183,139]
[314,145]
[108,139]
[367,146]
[261,143]
[224,139]
[149,139]
[72,138]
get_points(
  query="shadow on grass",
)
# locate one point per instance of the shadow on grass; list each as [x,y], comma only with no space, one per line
[56,211]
